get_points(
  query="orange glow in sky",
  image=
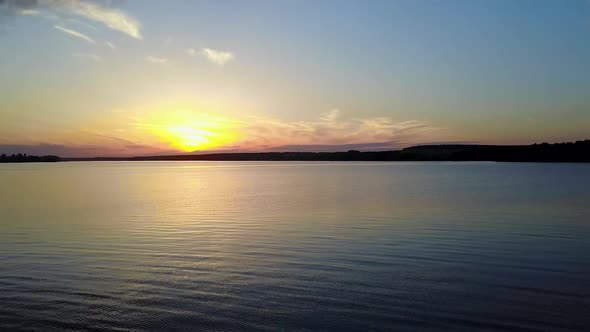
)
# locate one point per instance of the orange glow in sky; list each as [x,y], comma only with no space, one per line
[190,131]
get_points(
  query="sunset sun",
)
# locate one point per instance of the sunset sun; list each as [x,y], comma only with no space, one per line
[191,131]
[187,138]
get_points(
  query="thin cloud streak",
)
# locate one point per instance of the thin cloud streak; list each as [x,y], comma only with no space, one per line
[154,59]
[370,146]
[29,12]
[74,33]
[92,57]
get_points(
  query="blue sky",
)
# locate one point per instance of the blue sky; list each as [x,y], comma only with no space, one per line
[88,77]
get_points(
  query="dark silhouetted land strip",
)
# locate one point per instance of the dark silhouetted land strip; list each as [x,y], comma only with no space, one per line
[24,158]
[560,152]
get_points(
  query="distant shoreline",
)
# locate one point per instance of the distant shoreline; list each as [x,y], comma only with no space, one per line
[578,152]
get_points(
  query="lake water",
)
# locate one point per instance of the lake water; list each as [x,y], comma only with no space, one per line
[158,246]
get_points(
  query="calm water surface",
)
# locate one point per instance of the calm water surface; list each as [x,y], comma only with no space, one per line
[160,246]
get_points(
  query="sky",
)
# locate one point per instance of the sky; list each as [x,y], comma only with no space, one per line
[127,78]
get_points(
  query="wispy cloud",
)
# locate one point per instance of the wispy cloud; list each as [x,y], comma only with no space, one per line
[141,131]
[331,129]
[215,56]
[75,33]
[92,57]
[109,44]
[112,18]
[154,59]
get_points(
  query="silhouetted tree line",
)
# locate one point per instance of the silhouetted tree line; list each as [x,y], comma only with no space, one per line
[560,152]
[24,158]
